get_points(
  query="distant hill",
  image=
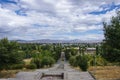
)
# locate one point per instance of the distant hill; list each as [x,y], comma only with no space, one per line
[57,41]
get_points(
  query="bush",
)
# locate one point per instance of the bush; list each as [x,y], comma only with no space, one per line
[37,62]
[97,60]
[31,66]
[51,61]
[100,61]
[82,62]
[73,61]
[16,66]
[47,61]
[12,66]
[6,67]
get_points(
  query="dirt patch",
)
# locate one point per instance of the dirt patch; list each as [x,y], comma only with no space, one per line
[8,73]
[106,72]
[12,73]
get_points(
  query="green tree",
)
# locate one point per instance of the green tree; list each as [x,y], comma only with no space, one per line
[73,61]
[82,62]
[47,61]
[111,44]
[9,53]
[67,54]
[37,61]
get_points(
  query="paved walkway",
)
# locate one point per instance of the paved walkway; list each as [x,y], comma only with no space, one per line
[72,74]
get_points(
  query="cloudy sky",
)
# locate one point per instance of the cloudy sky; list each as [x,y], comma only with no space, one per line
[55,19]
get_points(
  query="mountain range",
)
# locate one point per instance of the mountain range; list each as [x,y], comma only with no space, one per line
[58,41]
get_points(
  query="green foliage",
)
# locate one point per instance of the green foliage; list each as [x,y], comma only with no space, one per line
[97,61]
[31,66]
[79,60]
[17,66]
[73,61]
[32,49]
[111,44]
[37,62]
[100,61]
[46,47]
[9,53]
[48,61]
[82,50]
[70,51]
[97,50]
[73,51]
[57,52]
[12,66]
[112,55]
[43,59]
[82,62]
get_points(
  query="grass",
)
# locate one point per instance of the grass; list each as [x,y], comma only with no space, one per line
[8,73]
[12,73]
[106,72]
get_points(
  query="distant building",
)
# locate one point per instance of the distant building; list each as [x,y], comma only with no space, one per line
[87,50]
[90,50]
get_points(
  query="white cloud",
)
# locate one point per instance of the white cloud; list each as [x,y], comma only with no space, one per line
[55,19]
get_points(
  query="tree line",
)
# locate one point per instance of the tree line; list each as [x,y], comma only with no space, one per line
[12,54]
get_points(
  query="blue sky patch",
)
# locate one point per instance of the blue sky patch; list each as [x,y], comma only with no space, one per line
[106,8]
[8,1]
[21,12]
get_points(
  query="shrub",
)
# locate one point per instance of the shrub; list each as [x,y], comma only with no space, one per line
[31,66]
[73,61]
[100,61]
[51,61]
[12,66]
[5,67]
[42,60]
[47,61]
[18,66]
[37,62]
[97,60]
[82,62]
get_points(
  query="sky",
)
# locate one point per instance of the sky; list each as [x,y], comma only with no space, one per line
[55,19]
